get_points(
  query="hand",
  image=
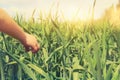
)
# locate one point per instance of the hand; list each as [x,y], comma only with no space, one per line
[30,43]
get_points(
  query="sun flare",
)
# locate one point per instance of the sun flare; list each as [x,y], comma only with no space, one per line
[70,9]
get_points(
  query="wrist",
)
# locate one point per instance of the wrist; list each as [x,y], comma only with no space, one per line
[22,37]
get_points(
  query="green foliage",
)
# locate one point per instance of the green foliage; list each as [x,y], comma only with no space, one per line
[69,51]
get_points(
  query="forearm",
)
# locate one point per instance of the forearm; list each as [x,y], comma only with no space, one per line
[10,27]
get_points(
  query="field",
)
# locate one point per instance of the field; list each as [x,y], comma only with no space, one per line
[68,51]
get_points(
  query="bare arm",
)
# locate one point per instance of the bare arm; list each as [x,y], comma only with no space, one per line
[10,27]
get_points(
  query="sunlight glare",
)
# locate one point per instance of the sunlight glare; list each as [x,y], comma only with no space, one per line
[70,9]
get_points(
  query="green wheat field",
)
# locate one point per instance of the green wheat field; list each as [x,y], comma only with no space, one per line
[68,51]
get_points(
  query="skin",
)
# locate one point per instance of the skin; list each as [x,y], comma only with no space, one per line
[10,27]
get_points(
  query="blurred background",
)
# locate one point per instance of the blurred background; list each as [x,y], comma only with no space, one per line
[67,9]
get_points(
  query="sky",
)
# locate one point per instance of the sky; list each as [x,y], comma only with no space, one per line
[68,9]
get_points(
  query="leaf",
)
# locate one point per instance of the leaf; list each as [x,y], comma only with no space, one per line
[116,73]
[38,69]
[1,69]
[26,69]
[109,72]
[57,49]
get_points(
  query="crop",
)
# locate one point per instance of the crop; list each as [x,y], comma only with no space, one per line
[69,51]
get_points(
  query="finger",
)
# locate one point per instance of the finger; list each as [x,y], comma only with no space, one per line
[27,48]
[35,49]
[38,46]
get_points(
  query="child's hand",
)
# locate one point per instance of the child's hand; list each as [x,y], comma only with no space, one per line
[30,43]
[10,27]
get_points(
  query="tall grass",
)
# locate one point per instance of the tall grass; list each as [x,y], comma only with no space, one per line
[69,51]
